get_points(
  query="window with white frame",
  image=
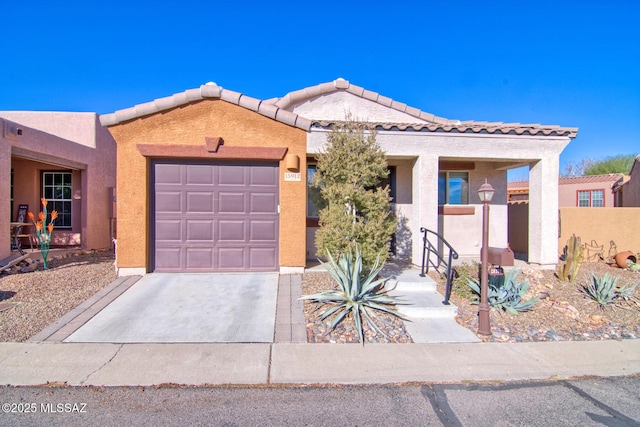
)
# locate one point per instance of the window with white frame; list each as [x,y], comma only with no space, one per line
[453,188]
[57,190]
[591,198]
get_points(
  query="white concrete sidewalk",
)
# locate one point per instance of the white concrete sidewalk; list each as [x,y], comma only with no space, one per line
[267,364]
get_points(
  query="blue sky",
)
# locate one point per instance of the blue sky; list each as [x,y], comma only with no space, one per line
[571,63]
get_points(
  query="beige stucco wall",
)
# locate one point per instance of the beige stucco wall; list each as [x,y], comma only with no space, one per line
[602,225]
[492,155]
[189,125]
[464,232]
[59,141]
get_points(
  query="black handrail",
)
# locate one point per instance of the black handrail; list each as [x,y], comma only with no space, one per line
[427,248]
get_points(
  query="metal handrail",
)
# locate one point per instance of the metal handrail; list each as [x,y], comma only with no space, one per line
[427,248]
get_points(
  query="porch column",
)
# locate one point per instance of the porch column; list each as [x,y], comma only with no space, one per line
[5,194]
[543,212]
[425,201]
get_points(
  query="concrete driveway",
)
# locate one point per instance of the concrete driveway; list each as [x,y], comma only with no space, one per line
[190,308]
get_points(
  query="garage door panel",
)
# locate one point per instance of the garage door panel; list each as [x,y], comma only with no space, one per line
[169,230]
[263,231]
[200,230]
[232,202]
[262,258]
[168,202]
[263,203]
[200,175]
[212,217]
[200,202]
[169,258]
[231,259]
[231,231]
[263,176]
[168,174]
[231,175]
[200,258]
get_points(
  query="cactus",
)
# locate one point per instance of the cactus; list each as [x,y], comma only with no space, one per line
[574,254]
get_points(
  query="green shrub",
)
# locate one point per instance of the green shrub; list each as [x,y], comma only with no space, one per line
[461,274]
[356,209]
[508,296]
[359,292]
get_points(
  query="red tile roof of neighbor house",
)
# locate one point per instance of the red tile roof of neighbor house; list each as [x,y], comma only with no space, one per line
[518,186]
[277,109]
[607,178]
[611,178]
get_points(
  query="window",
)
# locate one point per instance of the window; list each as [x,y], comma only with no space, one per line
[314,199]
[591,199]
[453,188]
[56,189]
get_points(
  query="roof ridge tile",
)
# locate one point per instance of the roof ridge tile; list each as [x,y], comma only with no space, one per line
[206,91]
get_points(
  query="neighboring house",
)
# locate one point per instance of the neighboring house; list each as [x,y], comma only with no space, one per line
[592,191]
[518,191]
[627,192]
[67,158]
[213,180]
[595,191]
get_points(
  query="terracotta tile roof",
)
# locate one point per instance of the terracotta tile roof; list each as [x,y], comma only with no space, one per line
[277,109]
[469,127]
[611,178]
[435,123]
[518,186]
[340,84]
[206,91]
[606,178]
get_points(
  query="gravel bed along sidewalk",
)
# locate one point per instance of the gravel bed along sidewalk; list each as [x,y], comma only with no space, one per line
[33,300]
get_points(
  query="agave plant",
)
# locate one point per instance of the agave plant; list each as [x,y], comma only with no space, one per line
[359,292]
[604,290]
[508,296]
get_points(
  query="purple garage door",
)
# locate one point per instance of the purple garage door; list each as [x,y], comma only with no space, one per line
[221,217]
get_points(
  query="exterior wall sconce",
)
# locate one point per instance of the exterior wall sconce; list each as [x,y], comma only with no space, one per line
[485,192]
[292,162]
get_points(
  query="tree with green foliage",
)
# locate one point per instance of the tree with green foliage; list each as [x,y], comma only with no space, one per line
[614,164]
[357,211]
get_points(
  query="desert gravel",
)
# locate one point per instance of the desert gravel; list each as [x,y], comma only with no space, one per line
[33,300]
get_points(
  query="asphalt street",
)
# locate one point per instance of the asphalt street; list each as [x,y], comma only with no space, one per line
[613,401]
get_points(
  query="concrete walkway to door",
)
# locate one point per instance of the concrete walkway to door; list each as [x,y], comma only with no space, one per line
[188,308]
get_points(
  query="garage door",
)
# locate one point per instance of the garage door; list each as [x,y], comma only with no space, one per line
[215,217]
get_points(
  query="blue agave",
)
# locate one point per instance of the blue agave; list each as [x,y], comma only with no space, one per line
[508,296]
[359,293]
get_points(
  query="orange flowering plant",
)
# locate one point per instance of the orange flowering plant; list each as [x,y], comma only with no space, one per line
[43,230]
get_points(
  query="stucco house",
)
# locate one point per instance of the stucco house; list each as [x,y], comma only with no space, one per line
[627,191]
[591,191]
[213,180]
[67,158]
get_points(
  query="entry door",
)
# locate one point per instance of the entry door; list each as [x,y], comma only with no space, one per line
[215,217]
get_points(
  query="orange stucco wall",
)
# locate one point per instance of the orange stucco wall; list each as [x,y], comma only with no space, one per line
[189,125]
[613,228]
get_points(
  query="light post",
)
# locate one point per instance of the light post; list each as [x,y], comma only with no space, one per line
[484,324]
